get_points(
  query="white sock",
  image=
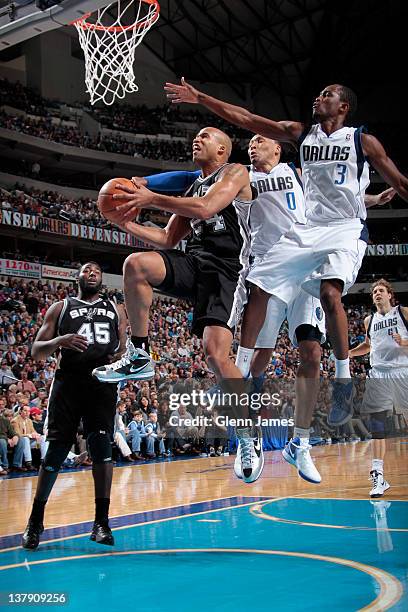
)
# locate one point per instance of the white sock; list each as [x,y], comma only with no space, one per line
[378,466]
[243,360]
[302,434]
[342,368]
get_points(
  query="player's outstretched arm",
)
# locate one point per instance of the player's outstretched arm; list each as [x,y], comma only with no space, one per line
[177,181]
[284,131]
[364,347]
[380,198]
[233,180]
[161,238]
[379,159]
[47,340]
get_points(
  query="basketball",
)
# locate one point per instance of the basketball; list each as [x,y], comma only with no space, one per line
[143,220]
[106,204]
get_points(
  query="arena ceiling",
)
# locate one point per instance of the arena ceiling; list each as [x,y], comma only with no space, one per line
[287,48]
[283,46]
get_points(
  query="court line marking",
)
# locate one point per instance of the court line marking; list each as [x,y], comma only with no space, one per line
[203,501]
[275,499]
[391,588]
[131,525]
[257,510]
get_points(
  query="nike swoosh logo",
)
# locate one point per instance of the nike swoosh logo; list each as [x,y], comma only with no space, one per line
[257,448]
[139,367]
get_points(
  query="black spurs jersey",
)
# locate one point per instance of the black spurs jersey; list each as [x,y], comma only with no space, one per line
[98,321]
[226,234]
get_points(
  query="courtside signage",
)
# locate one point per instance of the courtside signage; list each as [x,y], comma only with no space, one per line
[68,229]
[66,274]
[15,267]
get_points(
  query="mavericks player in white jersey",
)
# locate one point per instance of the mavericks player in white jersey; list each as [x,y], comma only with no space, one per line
[387,387]
[324,255]
[279,204]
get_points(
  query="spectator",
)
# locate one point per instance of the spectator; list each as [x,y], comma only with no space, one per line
[9,433]
[8,438]
[24,428]
[181,431]
[154,435]
[26,385]
[137,433]
[121,432]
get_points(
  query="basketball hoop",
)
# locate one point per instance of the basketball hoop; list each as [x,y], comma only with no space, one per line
[108,39]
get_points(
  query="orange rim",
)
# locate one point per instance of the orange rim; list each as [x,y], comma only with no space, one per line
[145,21]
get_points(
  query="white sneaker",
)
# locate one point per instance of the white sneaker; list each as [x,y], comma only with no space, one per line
[298,454]
[237,462]
[380,486]
[251,455]
[135,364]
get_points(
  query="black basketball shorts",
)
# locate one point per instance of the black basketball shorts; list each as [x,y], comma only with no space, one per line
[210,282]
[74,397]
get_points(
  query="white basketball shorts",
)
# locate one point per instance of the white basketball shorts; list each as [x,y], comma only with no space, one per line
[386,389]
[309,253]
[303,310]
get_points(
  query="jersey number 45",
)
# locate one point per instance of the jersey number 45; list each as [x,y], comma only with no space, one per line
[95,332]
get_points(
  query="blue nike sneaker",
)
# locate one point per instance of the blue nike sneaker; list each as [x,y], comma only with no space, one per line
[298,454]
[341,409]
[258,383]
[136,364]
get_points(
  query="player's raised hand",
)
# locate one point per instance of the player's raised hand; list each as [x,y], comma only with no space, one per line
[181,93]
[385,196]
[399,340]
[75,342]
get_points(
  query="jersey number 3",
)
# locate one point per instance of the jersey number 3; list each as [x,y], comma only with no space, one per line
[100,333]
[341,174]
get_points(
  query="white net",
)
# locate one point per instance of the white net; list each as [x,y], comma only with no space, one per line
[108,39]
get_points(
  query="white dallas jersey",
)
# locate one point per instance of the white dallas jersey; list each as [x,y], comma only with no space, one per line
[385,352]
[280,203]
[335,174]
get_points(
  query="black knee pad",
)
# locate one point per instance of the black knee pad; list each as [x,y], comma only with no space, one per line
[55,456]
[308,332]
[100,446]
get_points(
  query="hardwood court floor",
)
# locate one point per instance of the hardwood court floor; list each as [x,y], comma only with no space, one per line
[152,486]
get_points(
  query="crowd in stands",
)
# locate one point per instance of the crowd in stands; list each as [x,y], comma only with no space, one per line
[46,121]
[138,119]
[32,201]
[53,204]
[26,99]
[48,129]
[165,119]
[180,367]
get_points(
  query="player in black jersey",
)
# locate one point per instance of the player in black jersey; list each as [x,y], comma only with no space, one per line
[214,214]
[87,330]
